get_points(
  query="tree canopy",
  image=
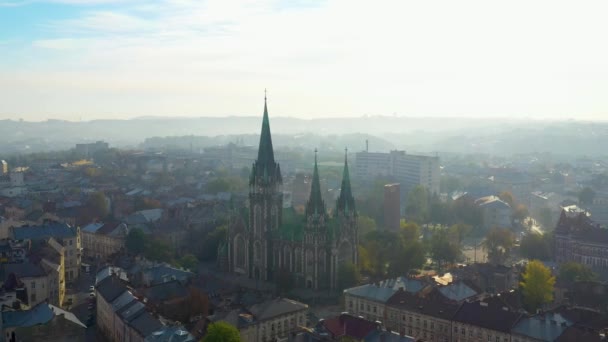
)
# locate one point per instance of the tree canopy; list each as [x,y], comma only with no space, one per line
[535,246]
[222,332]
[537,285]
[348,275]
[498,244]
[573,271]
[136,241]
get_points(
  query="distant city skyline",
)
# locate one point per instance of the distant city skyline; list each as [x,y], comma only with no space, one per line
[118,59]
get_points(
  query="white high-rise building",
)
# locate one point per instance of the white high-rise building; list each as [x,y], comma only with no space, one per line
[408,169]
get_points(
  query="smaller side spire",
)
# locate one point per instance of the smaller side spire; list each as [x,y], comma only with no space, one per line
[315,205]
[346,201]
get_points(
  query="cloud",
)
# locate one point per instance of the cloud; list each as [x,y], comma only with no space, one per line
[339,57]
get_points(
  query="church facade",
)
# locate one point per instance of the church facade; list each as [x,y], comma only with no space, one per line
[267,240]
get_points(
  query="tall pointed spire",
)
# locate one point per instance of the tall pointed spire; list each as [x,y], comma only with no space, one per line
[265,151]
[265,169]
[346,201]
[315,205]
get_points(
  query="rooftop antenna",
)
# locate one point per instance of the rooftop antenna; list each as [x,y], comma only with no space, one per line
[366,145]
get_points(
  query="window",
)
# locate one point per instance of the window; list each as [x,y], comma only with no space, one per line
[368,310]
[33,285]
[32,298]
[350,304]
[374,309]
[70,242]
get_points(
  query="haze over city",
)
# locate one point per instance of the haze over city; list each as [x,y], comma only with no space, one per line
[116,59]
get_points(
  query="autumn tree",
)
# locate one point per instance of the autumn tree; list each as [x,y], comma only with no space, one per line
[573,271]
[520,212]
[537,285]
[410,231]
[222,332]
[507,197]
[498,244]
[365,225]
[443,249]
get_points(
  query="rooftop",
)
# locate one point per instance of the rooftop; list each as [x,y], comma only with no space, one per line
[486,316]
[544,327]
[170,334]
[276,307]
[55,230]
[383,290]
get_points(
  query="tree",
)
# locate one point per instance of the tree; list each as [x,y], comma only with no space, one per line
[410,255]
[586,196]
[348,275]
[507,197]
[464,210]
[222,332]
[98,204]
[459,231]
[442,249]
[365,264]
[189,261]
[520,212]
[537,285]
[410,231]
[535,246]
[365,225]
[573,271]
[498,243]
[136,241]
[417,205]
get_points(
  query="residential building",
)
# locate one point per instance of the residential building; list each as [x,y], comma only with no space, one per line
[266,238]
[369,301]
[479,321]
[347,327]
[89,149]
[268,321]
[122,317]
[43,322]
[408,169]
[579,239]
[496,213]
[424,317]
[519,184]
[66,235]
[392,206]
[101,240]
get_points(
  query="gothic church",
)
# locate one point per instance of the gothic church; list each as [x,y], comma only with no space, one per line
[269,239]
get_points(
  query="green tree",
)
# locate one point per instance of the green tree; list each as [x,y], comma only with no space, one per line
[498,244]
[365,225]
[189,261]
[507,197]
[222,332]
[442,249]
[136,241]
[535,246]
[586,196]
[402,260]
[365,264]
[537,285]
[573,271]
[348,275]
[417,205]
[459,231]
[410,231]
[464,210]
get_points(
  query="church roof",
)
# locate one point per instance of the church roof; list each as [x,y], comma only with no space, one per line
[315,205]
[346,201]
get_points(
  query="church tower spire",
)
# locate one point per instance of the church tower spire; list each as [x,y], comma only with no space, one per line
[346,201]
[265,169]
[315,205]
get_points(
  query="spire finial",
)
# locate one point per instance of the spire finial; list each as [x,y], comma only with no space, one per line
[345,153]
[316,155]
[264,94]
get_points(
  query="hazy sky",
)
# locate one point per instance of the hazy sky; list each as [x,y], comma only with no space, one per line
[73,59]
